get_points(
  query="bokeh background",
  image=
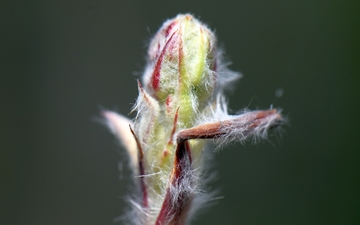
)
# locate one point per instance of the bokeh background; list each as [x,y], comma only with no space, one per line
[64,61]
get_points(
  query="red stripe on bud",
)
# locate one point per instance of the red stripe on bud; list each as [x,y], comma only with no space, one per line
[155,77]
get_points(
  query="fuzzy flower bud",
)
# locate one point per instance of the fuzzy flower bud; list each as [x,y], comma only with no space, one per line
[181,59]
[180,105]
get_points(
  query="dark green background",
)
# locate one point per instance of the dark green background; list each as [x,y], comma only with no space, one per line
[63,62]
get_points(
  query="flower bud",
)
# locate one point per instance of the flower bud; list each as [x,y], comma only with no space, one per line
[180,104]
[181,64]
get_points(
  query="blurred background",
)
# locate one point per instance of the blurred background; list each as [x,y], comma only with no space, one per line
[62,62]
